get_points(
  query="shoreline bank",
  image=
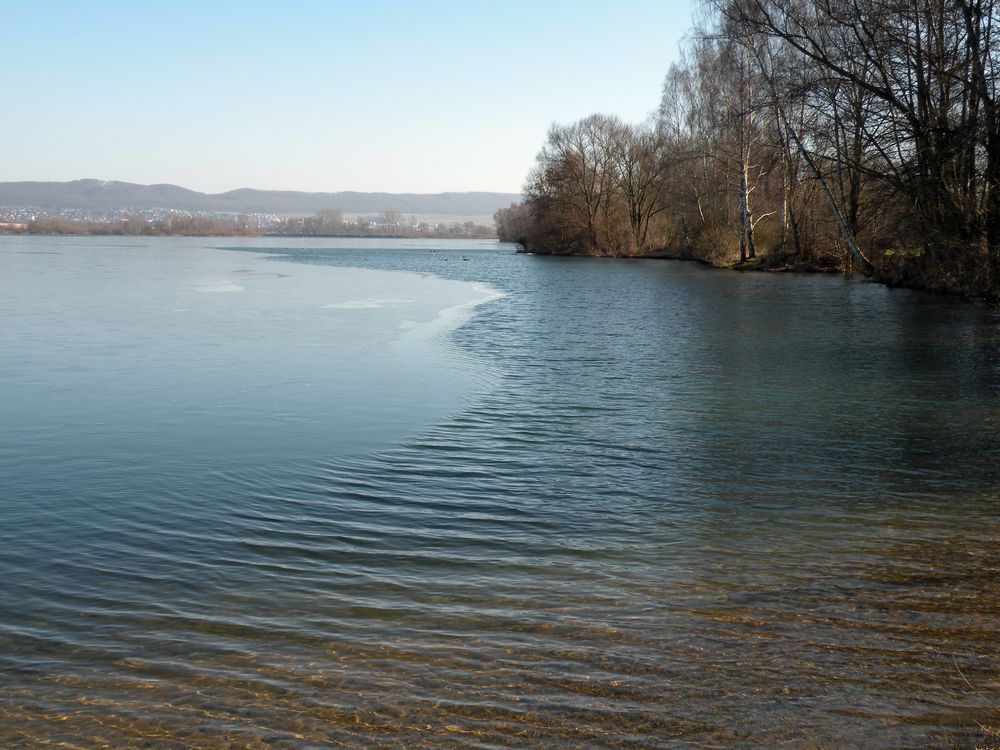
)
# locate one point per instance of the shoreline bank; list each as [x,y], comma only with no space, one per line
[786,264]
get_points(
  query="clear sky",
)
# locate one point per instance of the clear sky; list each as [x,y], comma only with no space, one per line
[380,95]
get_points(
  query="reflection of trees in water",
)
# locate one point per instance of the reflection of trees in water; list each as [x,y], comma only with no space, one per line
[844,476]
[949,354]
[886,389]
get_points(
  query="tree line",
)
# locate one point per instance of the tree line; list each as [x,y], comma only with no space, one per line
[856,134]
[323,224]
[174,226]
[333,223]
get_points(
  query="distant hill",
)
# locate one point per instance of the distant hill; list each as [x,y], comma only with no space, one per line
[100,195]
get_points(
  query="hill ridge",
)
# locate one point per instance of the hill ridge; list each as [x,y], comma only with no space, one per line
[108,195]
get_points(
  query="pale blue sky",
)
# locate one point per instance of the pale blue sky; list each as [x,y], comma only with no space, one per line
[382,95]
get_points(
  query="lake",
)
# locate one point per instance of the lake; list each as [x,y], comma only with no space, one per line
[301,493]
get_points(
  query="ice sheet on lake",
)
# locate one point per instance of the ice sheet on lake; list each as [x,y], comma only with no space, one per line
[370,303]
[219,286]
[127,349]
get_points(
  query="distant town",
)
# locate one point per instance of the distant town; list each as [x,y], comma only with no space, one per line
[161,221]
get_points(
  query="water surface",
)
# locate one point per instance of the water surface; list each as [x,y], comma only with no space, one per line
[625,504]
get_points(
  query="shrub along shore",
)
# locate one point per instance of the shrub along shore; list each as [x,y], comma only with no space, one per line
[859,136]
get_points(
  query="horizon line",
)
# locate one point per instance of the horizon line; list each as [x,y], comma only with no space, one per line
[270,190]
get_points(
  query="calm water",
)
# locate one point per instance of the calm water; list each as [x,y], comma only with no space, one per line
[308,500]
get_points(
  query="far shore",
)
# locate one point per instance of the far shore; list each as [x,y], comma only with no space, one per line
[427,236]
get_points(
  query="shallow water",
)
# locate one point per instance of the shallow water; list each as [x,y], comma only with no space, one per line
[637,504]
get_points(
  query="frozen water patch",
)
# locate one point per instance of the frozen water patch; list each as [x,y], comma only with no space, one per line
[450,317]
[217,287]
[221,355]
[251,274]
[372,303]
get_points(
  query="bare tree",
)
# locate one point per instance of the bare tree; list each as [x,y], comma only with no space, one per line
[640,172]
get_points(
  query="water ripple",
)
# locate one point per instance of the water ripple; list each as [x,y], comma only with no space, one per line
[668,523]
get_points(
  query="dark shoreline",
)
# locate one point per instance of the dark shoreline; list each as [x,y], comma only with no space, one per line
[770,264]
[766,263]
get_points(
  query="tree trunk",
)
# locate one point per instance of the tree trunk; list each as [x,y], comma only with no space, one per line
[782,242]
[852,244]
[748,248]
[992,188]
